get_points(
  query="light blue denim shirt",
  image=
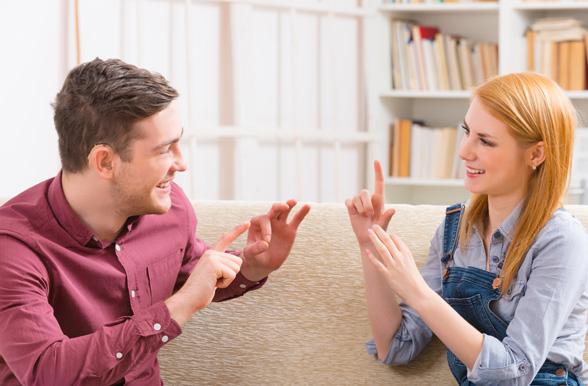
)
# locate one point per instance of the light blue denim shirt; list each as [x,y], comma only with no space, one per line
[545,305]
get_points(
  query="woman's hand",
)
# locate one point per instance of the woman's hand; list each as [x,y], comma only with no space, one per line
[394,261]
[365,210]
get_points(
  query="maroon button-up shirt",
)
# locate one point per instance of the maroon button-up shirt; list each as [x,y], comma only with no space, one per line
[76,311]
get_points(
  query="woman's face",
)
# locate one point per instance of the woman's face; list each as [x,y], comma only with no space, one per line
[496,164]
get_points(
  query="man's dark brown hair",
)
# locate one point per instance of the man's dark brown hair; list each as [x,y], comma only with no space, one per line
[99,103]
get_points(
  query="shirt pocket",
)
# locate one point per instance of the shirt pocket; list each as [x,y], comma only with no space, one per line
[163,275]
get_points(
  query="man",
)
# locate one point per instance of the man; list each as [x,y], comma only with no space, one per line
[100,266]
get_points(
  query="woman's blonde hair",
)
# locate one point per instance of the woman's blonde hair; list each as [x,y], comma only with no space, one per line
[534,109]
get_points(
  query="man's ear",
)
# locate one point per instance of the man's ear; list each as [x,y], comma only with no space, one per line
[536,154]
[101,159]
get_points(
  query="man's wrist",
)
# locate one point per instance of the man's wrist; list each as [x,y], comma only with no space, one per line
[179,308]
[254,273]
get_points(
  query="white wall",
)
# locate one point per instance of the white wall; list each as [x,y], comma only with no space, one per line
[32,68]
[250,67]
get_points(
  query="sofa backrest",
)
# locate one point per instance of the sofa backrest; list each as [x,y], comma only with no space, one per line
[308,324]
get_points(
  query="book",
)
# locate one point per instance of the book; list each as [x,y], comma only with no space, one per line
[455,78]
[420,64]
[577,77]
[563,65]
[530,36]
[442,71]
[465,61]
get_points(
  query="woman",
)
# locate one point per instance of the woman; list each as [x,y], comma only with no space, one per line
[505,284]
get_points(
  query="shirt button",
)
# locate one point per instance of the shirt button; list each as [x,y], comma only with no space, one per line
[242,286]
[117,247]
[133,293]
[157,326]
[164,338]
[495,259]
[118,355]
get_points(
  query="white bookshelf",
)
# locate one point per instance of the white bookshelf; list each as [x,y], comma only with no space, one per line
[578,95]
[503,22]
[426,94]
[457,7]
[431,182]
[556,5]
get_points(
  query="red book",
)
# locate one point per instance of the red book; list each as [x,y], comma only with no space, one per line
[428,32]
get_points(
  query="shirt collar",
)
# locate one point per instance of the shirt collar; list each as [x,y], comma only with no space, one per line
[508,225]
[506,229]
[71,222]
[65,215]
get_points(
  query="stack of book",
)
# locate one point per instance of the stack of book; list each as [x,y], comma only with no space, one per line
[427,60]
[419,151]
[556,47]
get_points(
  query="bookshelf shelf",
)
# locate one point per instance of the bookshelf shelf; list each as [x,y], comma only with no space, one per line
[407,181]
[579,95]
[550,6]
[426,94]
[426,8]
[409,94]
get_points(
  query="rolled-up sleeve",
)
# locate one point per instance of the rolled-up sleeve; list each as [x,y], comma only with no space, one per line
[556,284]
[413,334]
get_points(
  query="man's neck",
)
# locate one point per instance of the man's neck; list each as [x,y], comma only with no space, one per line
[91,199]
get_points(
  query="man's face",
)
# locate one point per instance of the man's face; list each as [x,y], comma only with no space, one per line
[142,185]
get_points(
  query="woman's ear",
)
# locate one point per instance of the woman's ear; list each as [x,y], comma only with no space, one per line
[536,155]
[101,160]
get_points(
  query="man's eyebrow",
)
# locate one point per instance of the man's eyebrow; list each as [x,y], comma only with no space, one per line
[167,143]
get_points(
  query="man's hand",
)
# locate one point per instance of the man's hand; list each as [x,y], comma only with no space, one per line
[365,211]
[270,239]
[215,269]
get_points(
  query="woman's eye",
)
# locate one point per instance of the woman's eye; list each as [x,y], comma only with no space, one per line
[487,143]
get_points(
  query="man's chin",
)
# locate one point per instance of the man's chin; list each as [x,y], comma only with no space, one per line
[162,207]
[156,207]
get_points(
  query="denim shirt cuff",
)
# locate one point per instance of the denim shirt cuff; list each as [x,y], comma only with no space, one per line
[494,364]
[472,373]
[399,350]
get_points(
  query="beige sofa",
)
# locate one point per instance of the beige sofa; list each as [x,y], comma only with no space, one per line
[308,324]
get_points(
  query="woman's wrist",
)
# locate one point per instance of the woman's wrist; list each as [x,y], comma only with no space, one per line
[421,299]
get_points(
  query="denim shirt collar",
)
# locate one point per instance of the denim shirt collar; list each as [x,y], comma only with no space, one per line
[506,229]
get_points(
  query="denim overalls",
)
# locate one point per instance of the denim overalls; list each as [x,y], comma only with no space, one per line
[469,291]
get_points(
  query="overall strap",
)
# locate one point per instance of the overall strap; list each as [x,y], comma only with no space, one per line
[453,215]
